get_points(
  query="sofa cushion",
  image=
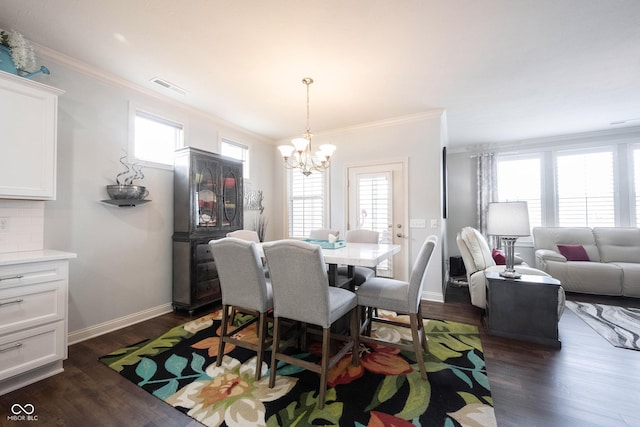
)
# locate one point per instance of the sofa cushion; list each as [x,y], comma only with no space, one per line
[478,248]
[551,237]
[573,252]
[630,278]
[618,244]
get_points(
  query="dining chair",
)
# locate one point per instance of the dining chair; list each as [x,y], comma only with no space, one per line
[244,286]
[249,235]
[403,298]
[323,233]
[301,292]
[360,274]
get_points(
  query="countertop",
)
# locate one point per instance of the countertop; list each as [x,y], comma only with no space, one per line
[11,258]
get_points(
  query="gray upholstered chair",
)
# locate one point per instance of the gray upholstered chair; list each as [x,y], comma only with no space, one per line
[244,287]
[301,292]
[403,298]
[360,274]
[248,235]
[323,233]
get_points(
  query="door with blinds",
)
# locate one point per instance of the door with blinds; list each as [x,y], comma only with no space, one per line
[376,202]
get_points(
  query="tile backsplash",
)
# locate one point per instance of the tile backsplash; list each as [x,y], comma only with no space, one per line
[21,225]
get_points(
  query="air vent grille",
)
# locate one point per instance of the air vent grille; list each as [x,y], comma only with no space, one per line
[168,85]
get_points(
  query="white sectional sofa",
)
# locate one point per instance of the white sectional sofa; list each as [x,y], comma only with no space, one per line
[613,266]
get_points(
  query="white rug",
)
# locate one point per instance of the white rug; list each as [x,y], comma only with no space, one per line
[620,326]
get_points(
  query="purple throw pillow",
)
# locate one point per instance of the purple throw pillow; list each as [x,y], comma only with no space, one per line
[574,252]
[498,257]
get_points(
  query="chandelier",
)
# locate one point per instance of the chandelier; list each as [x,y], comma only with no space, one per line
[299,155]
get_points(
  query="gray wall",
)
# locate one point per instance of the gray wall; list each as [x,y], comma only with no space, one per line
[124,267]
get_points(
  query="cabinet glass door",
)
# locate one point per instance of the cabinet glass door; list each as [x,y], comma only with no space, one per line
[206,194]
[232,198]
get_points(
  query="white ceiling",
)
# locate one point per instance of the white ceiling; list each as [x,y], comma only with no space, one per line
[504,70]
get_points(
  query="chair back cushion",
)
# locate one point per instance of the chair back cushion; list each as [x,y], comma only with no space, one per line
[299,279]
[478,248]
[362,235]
[249,235]
[419,273]
[242,279]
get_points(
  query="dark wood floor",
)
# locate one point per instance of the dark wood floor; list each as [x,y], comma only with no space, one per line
[586,383]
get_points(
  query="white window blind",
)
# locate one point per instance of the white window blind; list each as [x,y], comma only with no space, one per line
[520,180]
[585,189]
[374,204]
[306,202]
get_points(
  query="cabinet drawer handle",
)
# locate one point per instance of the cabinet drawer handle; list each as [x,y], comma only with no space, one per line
[15,301]
[13,347]
[17,276]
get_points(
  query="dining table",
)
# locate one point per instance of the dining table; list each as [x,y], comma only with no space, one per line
[355,254]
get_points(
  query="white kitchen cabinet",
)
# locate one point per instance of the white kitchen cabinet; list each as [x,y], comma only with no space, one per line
[33,316]
[28,131]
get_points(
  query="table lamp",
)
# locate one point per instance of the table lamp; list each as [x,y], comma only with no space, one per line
[508,220]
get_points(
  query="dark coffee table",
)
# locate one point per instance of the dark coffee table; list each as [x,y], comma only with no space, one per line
[524,308]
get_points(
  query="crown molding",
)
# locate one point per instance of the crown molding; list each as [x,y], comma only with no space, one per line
[591,138]
[111,79]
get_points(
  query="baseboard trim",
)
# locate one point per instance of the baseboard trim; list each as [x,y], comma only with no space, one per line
[115,324]
[432,296]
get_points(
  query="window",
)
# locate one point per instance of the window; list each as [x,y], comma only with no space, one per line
[520,179]
[571,188]
[236,151]
[585,189]
[155,139]
[306,199]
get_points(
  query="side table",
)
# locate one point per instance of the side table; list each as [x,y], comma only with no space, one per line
[524,308]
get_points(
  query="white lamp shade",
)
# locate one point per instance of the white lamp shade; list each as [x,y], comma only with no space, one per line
[300,143]
[327,149]
[286,150]
[508,219]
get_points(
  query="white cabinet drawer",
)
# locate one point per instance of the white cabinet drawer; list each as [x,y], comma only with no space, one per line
[32,305]
[31,273]
[26,350]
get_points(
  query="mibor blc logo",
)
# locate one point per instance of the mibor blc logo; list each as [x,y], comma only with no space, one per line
[24,412]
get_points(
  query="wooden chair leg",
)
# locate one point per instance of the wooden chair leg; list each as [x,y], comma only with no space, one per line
[324,366]
[355,336]
[262,334]
[223,333]
[274,351]
[417,346]
[369,320]
[425,344]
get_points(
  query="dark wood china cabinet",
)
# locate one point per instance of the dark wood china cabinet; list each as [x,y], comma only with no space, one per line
[208,203]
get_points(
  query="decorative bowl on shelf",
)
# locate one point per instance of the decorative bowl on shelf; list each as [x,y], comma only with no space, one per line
[127,192]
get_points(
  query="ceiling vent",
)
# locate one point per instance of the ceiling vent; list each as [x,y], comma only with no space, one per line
[168,85]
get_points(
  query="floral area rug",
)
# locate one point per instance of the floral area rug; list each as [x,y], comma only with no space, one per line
[386,389]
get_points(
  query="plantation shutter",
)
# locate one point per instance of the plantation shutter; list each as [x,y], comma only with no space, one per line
[585,189]
[374,204]
[306,203]
[520,180]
